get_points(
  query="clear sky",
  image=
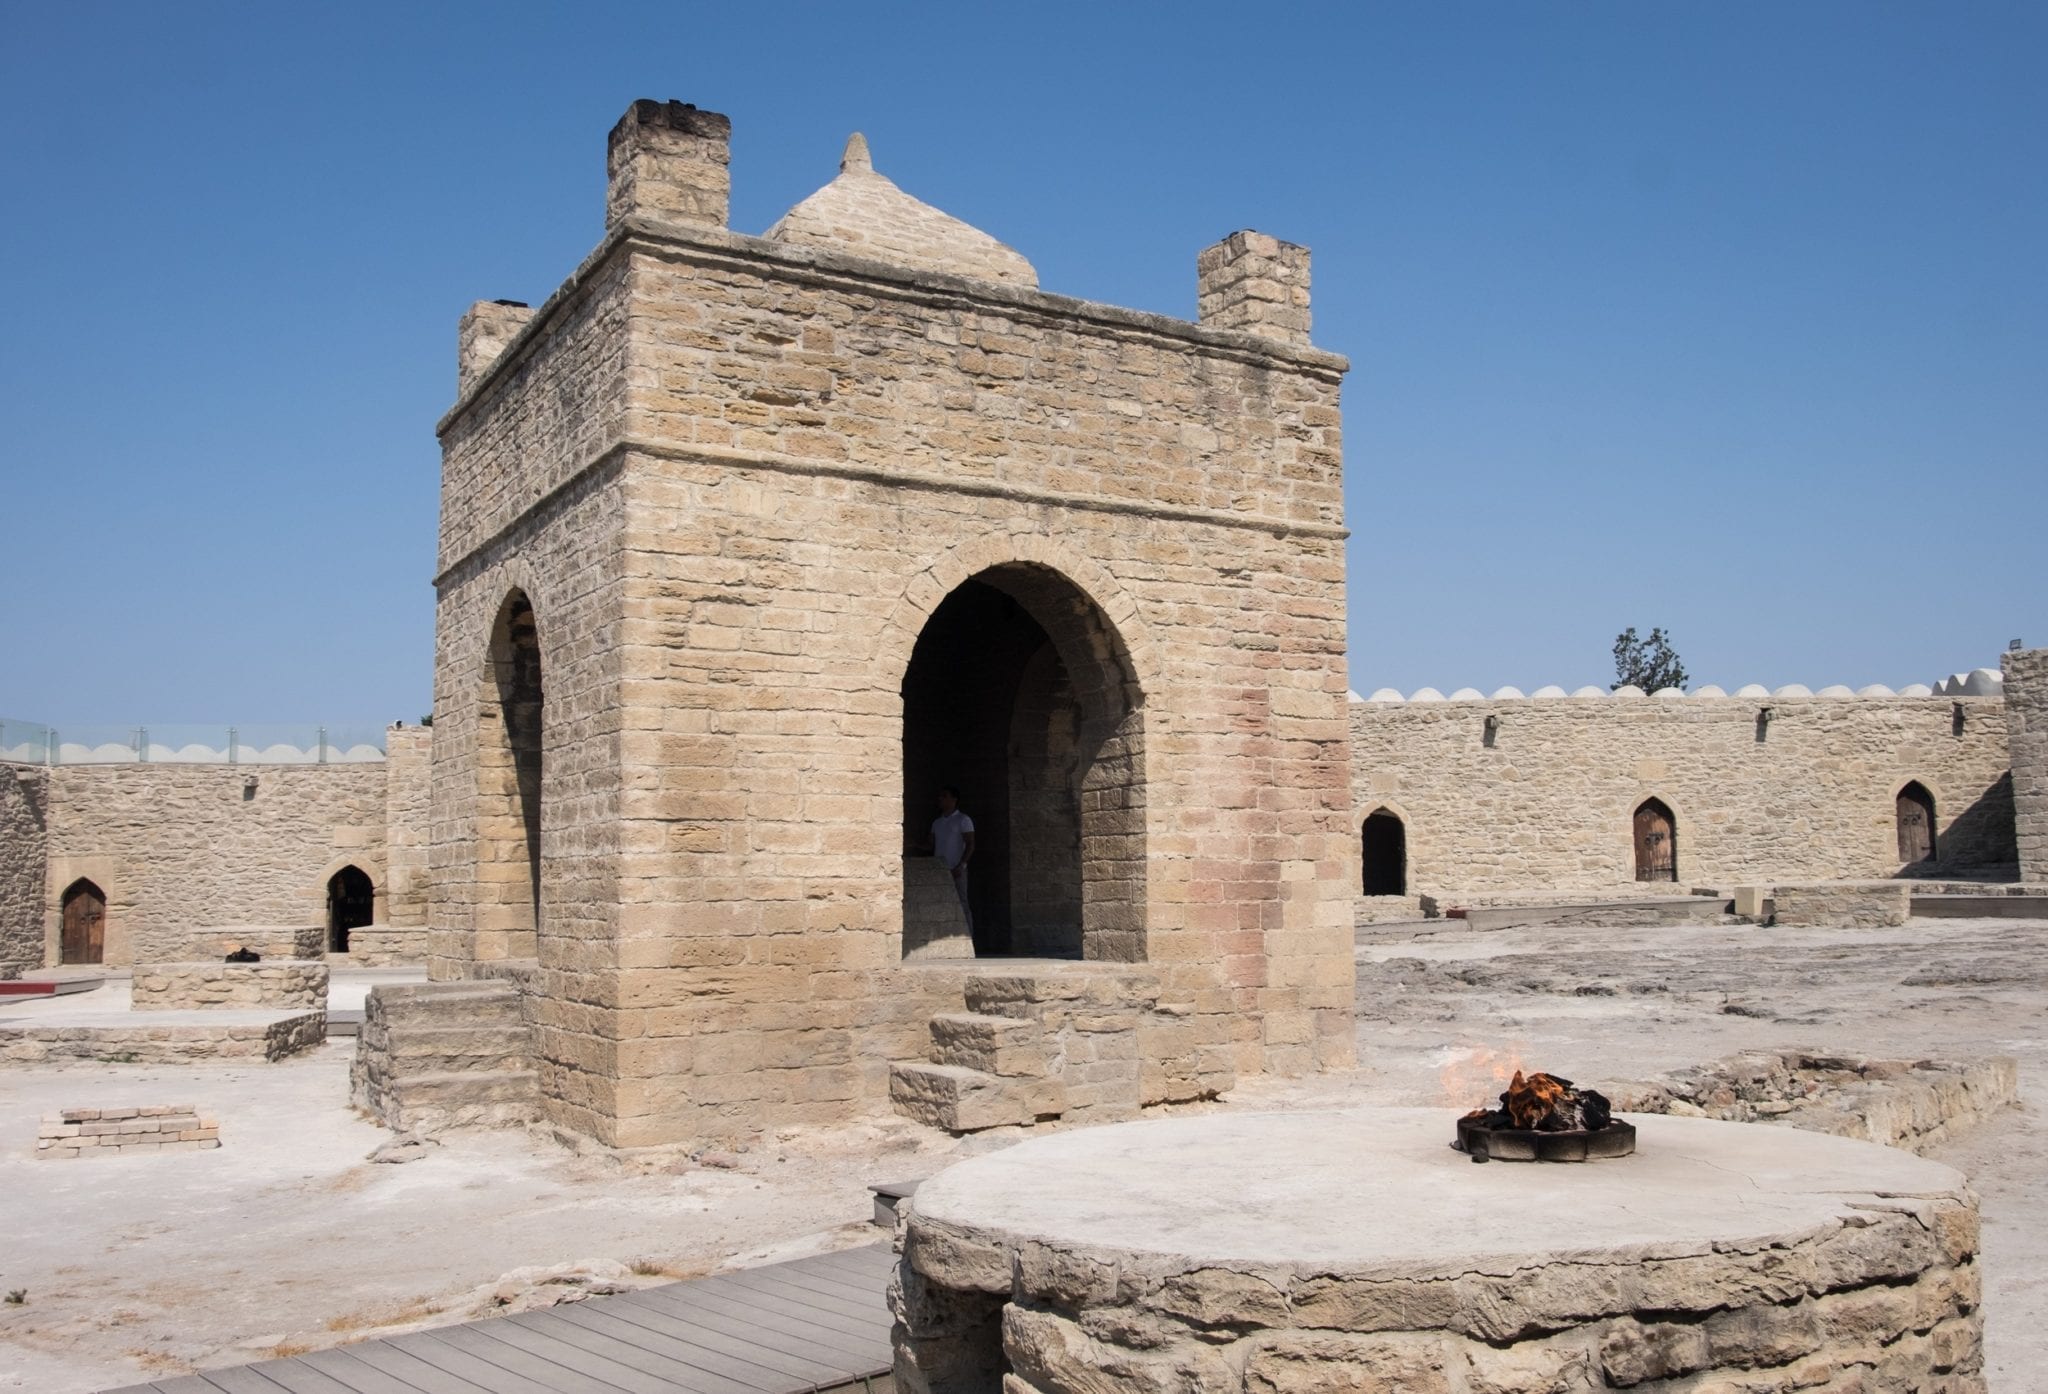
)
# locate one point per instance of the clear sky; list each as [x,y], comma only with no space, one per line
[1722,317]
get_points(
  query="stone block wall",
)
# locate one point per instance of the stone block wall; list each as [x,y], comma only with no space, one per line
[1843,905]
[113,1132]
[2026,718]
[736,478]
[408,794]
[181,850]
[24,809]
[1545,802]
[233,986]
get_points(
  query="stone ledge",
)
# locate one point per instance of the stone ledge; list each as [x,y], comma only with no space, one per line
[106,1132]
[282,983]
[271,1040]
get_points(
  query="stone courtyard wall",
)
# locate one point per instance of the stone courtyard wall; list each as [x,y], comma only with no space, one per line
[2026,718]
[182,850]
[284,983]
[24,804]
[735,478]
[408,791]
[1810,795]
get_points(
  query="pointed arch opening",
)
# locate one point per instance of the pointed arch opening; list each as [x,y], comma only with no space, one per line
[1656,842]
[510,740]
[1913,810]
[84,935]
[1383,843]
[1019,694]
[351,905]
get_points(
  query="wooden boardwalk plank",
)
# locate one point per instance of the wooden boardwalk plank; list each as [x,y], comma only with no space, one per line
[624,1363]
[406,1374]
[782,1328]
[503,1367]
[798,1295]
[738,1351]
[728,1364]
[241,1379]
[297,1377]
[855,1341]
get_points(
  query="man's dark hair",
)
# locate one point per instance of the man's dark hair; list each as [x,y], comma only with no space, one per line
[951,791]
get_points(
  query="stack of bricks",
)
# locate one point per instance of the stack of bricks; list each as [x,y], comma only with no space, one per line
[102,1132]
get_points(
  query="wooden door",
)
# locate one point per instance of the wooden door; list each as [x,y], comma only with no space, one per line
[85,924]
[1656,843]
[1916,825]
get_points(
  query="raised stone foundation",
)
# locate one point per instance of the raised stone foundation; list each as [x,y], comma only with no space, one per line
[443,1055]
[112,1132]
[1844,905]
[285,983]
[256,1036]
[384,946]
[1060,1041]
[300,941]
[1914,1104]
[1289,1253]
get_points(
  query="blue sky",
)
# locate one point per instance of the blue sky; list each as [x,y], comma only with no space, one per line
[1727,318]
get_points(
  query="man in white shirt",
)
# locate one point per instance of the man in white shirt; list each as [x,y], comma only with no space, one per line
[953,844]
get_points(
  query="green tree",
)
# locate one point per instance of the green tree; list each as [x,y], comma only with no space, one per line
[1649,664]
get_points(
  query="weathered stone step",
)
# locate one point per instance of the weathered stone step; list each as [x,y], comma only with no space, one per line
[415,1041]
[454,1087]
[447,1004]
[962,1100]
[1013,1047]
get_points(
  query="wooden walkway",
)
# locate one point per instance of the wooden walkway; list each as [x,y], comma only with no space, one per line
[812,1324]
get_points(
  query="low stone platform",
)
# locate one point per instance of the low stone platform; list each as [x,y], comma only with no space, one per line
[1355,1251]
[118,1036]
[278,984]
[131,1131]
[1914,1104]
[1844,904]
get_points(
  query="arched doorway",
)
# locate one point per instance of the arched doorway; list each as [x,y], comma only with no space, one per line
[1384,842]
[351,904]
[1915,813]
[1656,838]
[508,795]
[1019,693]
[84,935]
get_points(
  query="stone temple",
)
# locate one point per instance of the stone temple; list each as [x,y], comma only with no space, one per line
[748,544]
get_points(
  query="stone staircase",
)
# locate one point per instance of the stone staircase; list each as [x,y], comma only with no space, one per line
[1037,1043]
[432,1056]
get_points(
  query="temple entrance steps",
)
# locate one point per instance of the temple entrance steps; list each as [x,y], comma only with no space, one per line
[1057,1040]
[432,1056]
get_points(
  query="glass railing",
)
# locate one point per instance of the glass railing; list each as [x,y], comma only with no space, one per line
[34,743]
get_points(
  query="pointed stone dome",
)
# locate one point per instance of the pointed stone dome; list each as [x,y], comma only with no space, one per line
[862,213]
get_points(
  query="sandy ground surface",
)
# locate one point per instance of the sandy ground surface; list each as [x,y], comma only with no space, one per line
[287,1235]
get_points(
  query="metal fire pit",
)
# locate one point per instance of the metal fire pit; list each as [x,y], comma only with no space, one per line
[1617,1139]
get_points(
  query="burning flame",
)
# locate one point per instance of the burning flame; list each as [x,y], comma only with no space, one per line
[1530,1100]
[1475,1075]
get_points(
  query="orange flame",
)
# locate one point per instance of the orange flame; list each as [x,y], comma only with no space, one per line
[1475,1076]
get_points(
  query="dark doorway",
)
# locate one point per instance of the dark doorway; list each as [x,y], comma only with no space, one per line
[508,796]
[1916,824]
[1656,835]
[351,904]
[85,924]
[1385,840]
[1017,694]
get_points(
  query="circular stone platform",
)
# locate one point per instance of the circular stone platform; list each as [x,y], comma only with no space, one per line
[1260,1253]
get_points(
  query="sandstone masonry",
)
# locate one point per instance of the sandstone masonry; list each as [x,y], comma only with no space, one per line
[2026,715]
[109,1132]
[245,986]
[698,517]
[1526,794]
[24,853]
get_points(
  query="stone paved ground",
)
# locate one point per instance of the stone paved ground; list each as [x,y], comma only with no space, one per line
[1439,1010]
[286,1232]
